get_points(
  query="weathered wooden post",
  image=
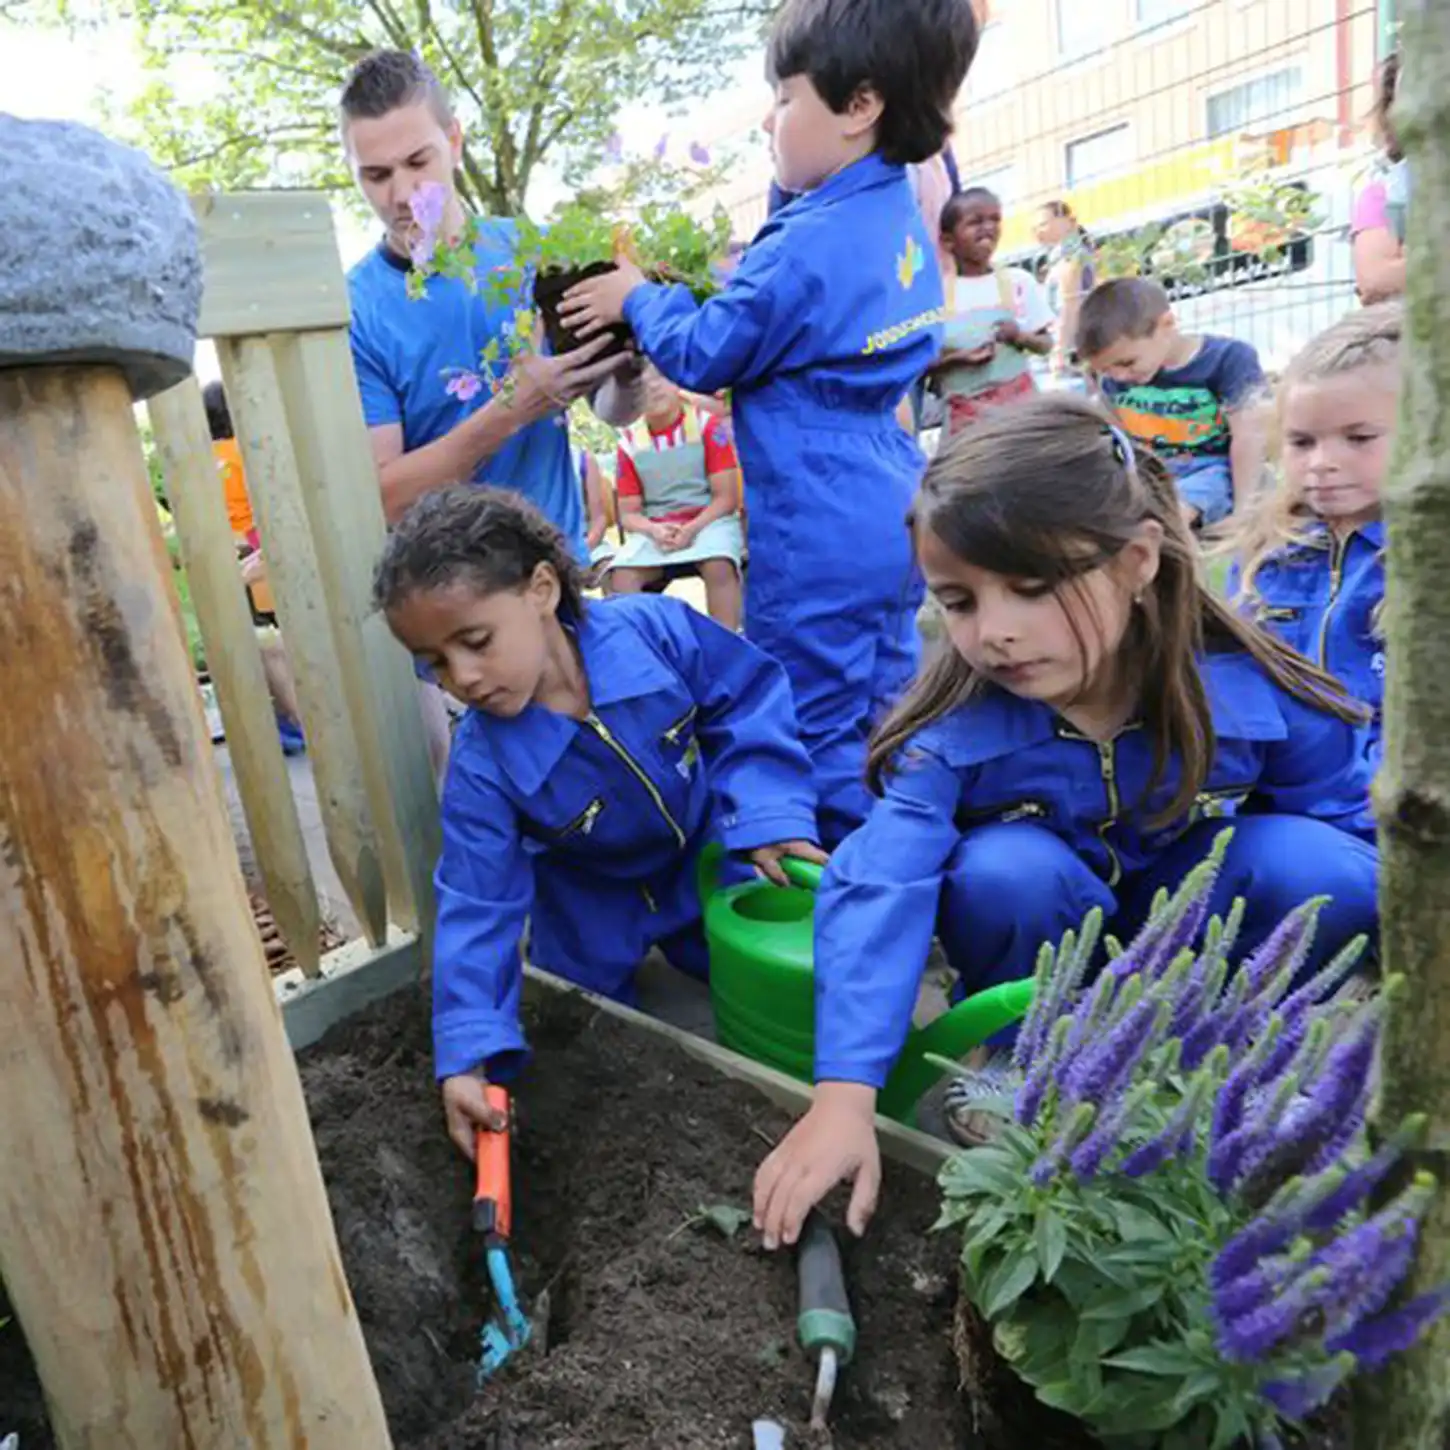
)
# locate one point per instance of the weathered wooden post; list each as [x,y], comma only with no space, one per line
[1408,1406]
[164,1234]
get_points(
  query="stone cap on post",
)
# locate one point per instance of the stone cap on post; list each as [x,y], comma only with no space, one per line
[99,258]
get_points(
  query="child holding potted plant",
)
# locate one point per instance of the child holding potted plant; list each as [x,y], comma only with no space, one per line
[832,316]
[678,488]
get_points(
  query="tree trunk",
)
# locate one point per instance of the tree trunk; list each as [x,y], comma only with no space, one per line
[1406,1407]
[164,1234]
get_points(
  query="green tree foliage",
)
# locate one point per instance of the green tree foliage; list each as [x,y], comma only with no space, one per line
[535,81]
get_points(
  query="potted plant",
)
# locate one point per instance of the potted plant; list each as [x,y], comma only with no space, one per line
[666,243]
[1178,1239]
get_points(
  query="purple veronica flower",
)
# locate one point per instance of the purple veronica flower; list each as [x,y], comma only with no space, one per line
[1087,1159]
[1040,1017]
[1319,987]
[1297,1398]
[614,148]
[1032,1092]
[1285,949]
[1375,1342]
[1079,1126]
[464,386]
[1248,1252]
[699,154]
[1327,1201]
[1178,1134]
[1100,1068]
[662,147]
[428,205]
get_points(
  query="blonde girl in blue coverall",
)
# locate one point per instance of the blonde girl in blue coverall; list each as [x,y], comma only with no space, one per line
[603,747]
[1095,714]
[833,315]
[1310,563]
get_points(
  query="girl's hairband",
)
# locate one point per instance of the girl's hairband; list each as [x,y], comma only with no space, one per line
[1122,447]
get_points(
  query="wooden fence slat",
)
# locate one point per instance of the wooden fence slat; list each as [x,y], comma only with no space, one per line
[345,506]
[270,261]
[259,415]
[235,663]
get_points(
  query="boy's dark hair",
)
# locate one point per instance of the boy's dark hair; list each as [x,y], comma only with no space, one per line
[387,79]
[218,415]
[913,53]
[956,207]
[487,538]
[1127,307]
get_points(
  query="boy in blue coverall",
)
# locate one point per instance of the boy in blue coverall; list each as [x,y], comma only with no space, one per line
[603,747]
[832,316]
[1310,563]
[1098,712]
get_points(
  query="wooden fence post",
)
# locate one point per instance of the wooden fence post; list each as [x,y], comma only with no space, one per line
[164,1232]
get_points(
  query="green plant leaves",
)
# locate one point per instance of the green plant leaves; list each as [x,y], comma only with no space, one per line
[1049,1238]
[1007,1283]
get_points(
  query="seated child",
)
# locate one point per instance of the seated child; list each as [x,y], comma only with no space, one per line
[1096,712]
[830,320]
[1310,552]
[603,747]
[1185,397]
[997,317]
[678,489]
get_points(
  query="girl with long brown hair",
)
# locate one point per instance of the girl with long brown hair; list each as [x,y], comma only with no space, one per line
[1093,715]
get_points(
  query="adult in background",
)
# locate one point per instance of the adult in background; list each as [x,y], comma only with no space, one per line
[1071,275]
[1377,227]
[400,134]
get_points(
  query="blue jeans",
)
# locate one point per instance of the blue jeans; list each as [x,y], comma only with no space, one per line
[1205,484]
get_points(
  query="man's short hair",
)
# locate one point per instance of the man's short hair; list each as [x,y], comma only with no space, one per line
[1128,307]
[913,53]
[387,79]
[218,415]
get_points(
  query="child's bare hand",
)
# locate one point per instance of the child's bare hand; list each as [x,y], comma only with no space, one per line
[466,1110]
[254,568]
[834,1143]
[766,859]
[978,357]
[670,538]
[599,303]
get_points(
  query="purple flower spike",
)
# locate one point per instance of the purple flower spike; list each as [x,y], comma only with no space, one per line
[1286,947]
[699,154]
[1178,1135]
[1087,1159]
[614,149]
[1098,1070]
[1335,1196]
[1377,1341]
[1298,1398]
[662,147]
[1265,1236]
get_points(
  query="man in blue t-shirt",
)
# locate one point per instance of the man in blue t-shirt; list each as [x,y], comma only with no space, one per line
[430,425]
[1188,398]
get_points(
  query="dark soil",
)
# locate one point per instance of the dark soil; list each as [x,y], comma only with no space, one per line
[549,289]
[660,1336]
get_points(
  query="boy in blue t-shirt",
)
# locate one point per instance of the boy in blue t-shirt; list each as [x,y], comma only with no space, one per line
[832,316]
[1187,398]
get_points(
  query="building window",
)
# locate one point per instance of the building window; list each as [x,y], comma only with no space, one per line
[1001,181]
[1147,14]
[1082,28]
[993,70]
[1099,155]
[1260,104]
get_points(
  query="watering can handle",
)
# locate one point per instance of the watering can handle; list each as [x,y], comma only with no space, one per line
[805,874]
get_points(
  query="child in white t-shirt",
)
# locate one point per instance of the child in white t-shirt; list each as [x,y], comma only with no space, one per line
[997,317]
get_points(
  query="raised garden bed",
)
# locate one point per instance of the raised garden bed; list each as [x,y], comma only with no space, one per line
[662,1335]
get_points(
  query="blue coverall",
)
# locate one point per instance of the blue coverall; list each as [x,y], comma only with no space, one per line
[1322,597]
[1002,828]
[591,830]
[834,312]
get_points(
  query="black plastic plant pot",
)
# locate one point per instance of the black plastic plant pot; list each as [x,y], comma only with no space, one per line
[549,289]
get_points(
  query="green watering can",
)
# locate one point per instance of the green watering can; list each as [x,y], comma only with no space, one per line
[762,986]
